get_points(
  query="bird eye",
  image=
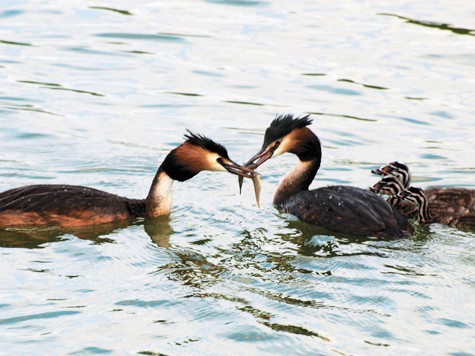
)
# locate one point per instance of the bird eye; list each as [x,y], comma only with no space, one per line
[276,145]
[219,160]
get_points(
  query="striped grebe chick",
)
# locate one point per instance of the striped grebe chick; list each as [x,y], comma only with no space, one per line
[397,170]
[391,186]
[419,199]
[338,208]
[76,206]
[453,206]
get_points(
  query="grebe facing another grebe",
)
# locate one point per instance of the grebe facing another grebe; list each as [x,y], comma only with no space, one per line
[339,208]
[75,206]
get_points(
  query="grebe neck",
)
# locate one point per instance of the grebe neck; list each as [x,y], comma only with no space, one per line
[297,180]
[424,215]
[159,198]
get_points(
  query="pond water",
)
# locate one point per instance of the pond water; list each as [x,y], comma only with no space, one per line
[96,93]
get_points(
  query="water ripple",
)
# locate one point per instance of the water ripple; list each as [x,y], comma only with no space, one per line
[437,25]
[122,12]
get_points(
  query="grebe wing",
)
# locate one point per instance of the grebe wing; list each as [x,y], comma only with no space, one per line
[347,209]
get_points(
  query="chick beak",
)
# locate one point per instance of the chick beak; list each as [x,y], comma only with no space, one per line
[376,188]
[241,171]
[382,171]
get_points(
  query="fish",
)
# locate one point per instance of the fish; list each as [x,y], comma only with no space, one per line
[256,180]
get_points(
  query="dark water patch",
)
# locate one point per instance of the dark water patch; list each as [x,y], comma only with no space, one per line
[432,156]
[182,35]
[32,135]
[85,50]
[231,298]
[39,83]
[243,102]
[151,353]
[182,93]
[49,315]
[334,90]
[414,98]
[413,121]
[10,13]
[453,323]
[404,271]
[16,43]
[147,304]
[294,330]
[138,52]
[122,12]
[256,312]
[141,37]
[364,85]
[78,91]
[55,86]
[36,270]
[208,73]
[81,68]
[436,25]
[376,343]
[442,114]
[92,351]
[313,74]
[30,108]
[342,116]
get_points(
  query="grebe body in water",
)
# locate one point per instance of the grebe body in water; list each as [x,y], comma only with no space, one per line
[453,206]
[76,206]
[342,209]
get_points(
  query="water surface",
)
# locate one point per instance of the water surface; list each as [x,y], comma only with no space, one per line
[97,94]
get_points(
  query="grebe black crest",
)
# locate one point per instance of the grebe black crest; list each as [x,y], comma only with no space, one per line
[75,206]
[339,208]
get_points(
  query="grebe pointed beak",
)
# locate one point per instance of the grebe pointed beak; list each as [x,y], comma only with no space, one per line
[241,171]
[259,158]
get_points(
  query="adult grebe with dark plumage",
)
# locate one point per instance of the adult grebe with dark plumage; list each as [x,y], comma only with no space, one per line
[75,206]
[338,208]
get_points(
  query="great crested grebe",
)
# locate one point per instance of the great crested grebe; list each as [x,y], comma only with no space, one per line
[453,206]
[343,209]
[76,206]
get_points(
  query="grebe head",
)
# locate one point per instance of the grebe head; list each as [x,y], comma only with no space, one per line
[418,198]
[199,153]
[398,170]
[387,186]
[287,133]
